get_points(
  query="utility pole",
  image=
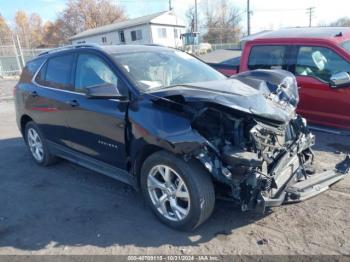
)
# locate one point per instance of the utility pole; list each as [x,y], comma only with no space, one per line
[248,17]
[195,16]
[170,7]
[310,11]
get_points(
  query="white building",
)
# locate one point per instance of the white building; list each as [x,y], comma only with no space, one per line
[161,28]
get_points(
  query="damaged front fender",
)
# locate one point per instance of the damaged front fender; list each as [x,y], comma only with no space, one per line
[165,129]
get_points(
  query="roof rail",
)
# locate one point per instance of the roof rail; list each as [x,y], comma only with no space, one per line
[67,47]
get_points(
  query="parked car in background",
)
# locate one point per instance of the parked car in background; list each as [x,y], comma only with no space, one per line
[169,124]
[320,60]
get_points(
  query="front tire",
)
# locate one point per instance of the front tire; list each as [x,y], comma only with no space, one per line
[180,193]
[37,145]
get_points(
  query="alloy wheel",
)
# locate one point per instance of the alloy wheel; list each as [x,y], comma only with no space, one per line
[168,192]
[35,144]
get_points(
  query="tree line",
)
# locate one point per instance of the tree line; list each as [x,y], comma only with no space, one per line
[219,22]
[77,16]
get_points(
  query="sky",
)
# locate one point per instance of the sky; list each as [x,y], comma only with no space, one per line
[266,14]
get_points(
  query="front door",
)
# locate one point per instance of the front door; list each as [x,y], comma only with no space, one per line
[96,127]
[319,102]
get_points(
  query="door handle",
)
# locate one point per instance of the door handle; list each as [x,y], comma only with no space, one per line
[73,103]
[34,94]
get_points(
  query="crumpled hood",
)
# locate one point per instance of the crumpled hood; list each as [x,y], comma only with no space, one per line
[270,94]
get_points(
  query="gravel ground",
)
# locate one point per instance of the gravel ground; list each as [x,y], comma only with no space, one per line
[66,209]
[6,89]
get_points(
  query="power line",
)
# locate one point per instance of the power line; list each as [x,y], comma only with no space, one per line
[310,11]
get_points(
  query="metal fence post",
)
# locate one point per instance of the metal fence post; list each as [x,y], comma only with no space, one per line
[20,52]
[1,75]
[16,54]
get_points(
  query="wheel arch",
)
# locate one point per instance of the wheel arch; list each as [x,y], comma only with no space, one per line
[23,122]
[140,158]
[198,182]
[147,150]
[178,145]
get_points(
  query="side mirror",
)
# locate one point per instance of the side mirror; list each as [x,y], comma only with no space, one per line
[104,91]
[340,79]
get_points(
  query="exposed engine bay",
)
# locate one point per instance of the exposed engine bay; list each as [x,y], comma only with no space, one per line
[257,148]
[247,153]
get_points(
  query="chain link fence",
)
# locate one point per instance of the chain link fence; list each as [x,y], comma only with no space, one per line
[28,54]
[9,63]
[205,48]
[13,57]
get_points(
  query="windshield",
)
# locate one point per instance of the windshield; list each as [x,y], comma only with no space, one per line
[164,68]
[346,46]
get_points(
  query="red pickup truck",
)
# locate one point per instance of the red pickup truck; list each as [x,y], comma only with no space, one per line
[320,60]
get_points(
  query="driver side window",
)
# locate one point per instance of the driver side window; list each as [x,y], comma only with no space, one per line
[319,62]
[91,71]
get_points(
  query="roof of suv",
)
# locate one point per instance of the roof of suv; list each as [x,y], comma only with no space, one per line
[132,48]
[336,34]
[110,49]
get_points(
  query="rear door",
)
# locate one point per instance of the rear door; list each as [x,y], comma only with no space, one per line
[97,127]
[53,85]
[319,102]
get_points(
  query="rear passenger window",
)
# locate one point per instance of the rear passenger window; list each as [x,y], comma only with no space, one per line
[56,72]
[267,57]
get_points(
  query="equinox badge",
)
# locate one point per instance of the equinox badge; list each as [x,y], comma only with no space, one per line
[107,144]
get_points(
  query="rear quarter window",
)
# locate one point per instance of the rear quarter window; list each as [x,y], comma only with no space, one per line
[267,57]
[30,69]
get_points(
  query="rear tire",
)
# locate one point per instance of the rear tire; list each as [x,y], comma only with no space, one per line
[185,198]
[37,145]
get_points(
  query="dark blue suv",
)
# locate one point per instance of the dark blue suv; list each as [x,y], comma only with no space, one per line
[167,123]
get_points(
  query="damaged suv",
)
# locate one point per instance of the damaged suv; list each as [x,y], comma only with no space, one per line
[163,121]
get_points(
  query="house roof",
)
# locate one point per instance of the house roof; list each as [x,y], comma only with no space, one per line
[336,33]
[119,25]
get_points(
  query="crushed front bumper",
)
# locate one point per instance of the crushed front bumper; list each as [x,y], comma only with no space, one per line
[310,187]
